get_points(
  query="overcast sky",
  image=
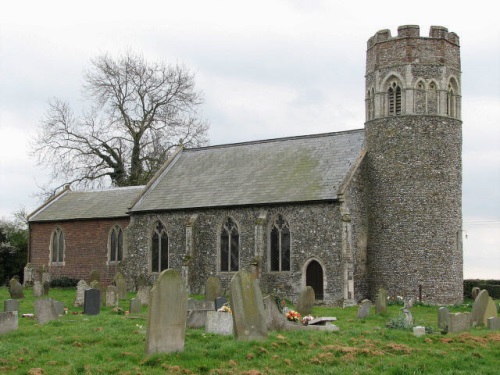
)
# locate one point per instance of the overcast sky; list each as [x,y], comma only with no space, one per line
[267,69]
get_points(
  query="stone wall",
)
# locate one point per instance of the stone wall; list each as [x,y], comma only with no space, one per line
[315,234]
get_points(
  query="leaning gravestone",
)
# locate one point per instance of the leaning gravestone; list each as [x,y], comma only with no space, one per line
[92,302]
[11,305]
[364,308]
[474,292]
[443,318]
[249,318]
[381,301]
[135,306]
[167,314]
[483,308]
[15,289]
[275,320]
[121,284]
[213,288]
[306,301]
[8,321]
[111,296]
[45,310]
[81,287]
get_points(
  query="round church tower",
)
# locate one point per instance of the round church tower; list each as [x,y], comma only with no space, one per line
[413,139]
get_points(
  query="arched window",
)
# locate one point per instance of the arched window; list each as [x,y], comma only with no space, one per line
[280,245]
[432,99]
[57,246]
[370,105]
[229,246]
[159,248]
[394,98]
[116,244]
[420,99]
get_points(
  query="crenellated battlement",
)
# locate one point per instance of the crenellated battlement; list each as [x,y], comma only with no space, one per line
[413,31]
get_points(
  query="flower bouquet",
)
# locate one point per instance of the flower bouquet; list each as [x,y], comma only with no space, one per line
[293,316]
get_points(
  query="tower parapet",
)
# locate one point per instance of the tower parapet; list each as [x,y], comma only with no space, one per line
[413,138]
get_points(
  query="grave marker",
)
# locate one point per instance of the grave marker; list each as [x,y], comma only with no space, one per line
[443,318]
[81,287]
[135,306]
[92,302]
[112,296]
[11,305]
[220,323]
[45,310]
[15,289]
[8,321]
[306,301]
[275,320]
[459,322]
[213,288]
[121,284]
[381,301]
[364,308]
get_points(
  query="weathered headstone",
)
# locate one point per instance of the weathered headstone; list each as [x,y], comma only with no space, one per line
[11,305]
[111,296]
[121,284]
[45,310]
[92,302]
[94,284]
[494,324]
[408,316]
[143,294]
[364,308]
[8,321]
[381,301]
[275,320]
[194,304]
[213,288]
[167,314]
[419,331]
[483,308]
[37,289]
[459,322]
[81,287]
[306,301]
[59,307]
[443,318]
[15,289]
[249,318]
[197,312]
[474,292]
[219,302]
[135,306]
[220,323]
[94,276]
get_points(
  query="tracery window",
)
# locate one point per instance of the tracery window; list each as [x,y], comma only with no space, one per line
[116,244]
[451,102]
[280,245]
[57,246]
[229,246]
[159,248]
[394,97]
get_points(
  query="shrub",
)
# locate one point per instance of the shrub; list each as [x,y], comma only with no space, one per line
[492,286]
[64,282]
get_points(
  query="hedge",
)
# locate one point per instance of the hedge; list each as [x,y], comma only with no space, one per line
[492,286]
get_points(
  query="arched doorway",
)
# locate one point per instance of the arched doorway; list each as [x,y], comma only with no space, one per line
[314,278]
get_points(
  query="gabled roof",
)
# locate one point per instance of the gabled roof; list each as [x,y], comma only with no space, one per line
[88,204]
[284,170]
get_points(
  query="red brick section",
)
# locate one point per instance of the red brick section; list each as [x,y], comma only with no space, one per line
[86,247]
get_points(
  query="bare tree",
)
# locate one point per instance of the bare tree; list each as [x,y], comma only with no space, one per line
[139,111]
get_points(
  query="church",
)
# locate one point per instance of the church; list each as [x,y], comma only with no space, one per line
[345,212]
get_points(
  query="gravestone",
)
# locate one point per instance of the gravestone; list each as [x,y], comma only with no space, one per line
[249,318]
[213,288]
[167,314]
[8,321]
[81,287]
[59,307]
[219,302]
[135,306]
[474,292]
[143,294]
[494,324]
[275,320]
[111,296]
[443,318]
[11,305]
[306,301]
[94,284]
[459,322]
[381,301]
[194,304]
[419,331]
[483,308]
[121,284]
[92,302]
[45,310]
[197,312]
[37,289]
[364,308]
[94,276]
[408,316]
[220,323]
[15,289]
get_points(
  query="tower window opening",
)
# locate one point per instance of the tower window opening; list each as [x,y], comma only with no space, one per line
[394,94]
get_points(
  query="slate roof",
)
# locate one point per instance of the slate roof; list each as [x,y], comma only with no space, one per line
[89,204]
[284,170]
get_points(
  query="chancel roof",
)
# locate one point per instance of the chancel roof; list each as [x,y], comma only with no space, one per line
[285,170]
[89,204]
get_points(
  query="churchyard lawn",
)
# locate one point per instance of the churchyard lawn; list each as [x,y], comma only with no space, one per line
[114,343]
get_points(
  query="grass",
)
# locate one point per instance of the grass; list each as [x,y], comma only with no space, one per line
[109,343]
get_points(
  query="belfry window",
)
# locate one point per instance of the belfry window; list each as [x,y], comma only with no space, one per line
[116,244]
[450,105]
[57,246]
[229,246]
[394,97]
[159,248]
[280,245]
